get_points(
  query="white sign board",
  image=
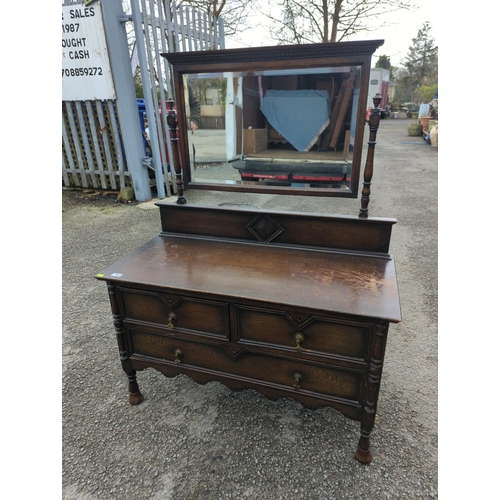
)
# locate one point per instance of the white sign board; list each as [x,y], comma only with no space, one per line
[86,73]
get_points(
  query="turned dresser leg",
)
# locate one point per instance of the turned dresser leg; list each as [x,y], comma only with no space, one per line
[363,453]
[136,396]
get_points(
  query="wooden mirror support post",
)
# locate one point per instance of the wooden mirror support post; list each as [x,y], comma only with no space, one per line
[373,123]
[172,123]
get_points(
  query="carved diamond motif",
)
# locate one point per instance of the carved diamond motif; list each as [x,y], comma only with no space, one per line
[299,320]
[235,352]
[171,300]
[265,228]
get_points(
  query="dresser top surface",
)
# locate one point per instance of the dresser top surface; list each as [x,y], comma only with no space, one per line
[334,282]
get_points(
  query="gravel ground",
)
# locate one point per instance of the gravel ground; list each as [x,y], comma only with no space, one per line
[188,441]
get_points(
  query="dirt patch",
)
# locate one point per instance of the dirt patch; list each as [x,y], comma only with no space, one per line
[81,196]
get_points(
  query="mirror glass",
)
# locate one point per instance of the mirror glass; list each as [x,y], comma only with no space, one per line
[293,128]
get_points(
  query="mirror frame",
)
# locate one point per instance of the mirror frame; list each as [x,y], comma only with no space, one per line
[280,57]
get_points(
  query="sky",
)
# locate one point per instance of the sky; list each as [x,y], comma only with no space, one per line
[397,30]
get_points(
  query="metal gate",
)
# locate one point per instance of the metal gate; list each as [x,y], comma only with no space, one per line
[160,27]
[93,153]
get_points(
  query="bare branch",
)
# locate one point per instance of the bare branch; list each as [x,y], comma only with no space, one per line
[328,20]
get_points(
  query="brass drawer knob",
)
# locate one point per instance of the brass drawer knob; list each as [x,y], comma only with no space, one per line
[178,354]
[299,339]
[297,377]
[171,318]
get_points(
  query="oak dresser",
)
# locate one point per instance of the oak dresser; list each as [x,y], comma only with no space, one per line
[289,304]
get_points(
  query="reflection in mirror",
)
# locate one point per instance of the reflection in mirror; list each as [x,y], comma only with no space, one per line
[293,128]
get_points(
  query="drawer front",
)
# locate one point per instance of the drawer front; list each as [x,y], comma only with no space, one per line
[288,374]
[303,333]
[176,312]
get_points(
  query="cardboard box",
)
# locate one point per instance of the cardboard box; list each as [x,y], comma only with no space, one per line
[254,140]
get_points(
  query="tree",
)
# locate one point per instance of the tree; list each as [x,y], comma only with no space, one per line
[422,59]
[384,62]
[233,12]
[313,21]
[426,93]
[420,67]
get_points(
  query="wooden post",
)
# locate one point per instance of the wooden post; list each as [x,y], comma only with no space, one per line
[175,160]
[337,115]
[373,123]
[346,100]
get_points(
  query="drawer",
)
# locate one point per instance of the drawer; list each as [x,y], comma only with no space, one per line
[280,373]
[303,332]
[176,312]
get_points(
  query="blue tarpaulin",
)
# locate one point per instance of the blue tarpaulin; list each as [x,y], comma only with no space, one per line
[298,115]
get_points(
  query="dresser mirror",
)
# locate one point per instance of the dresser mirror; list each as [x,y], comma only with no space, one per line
[276,120]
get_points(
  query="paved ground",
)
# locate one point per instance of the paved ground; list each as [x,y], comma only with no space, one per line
[210,145]
[188,441]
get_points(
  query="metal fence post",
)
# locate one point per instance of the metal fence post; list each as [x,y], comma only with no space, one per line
[116,38]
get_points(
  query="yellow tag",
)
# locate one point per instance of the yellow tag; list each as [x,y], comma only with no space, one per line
[99,275]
